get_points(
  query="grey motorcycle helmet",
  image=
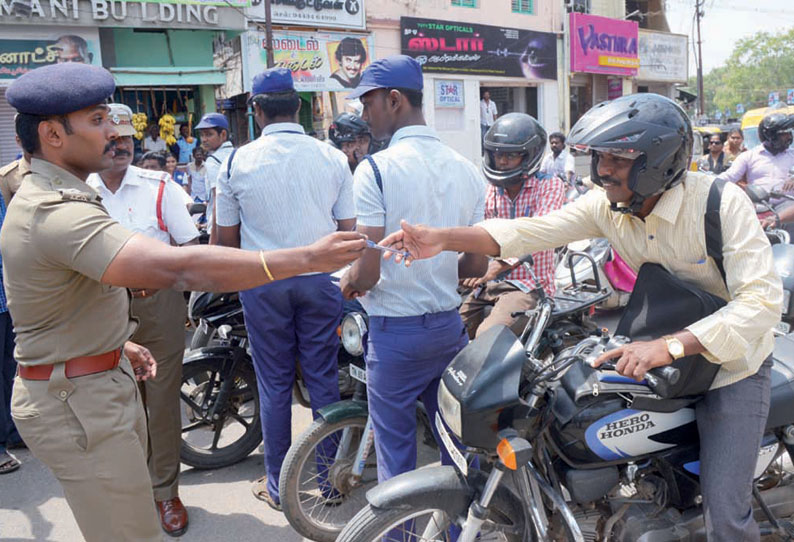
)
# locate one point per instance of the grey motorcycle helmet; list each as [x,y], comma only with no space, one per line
[649,128]
[513,132]
[770,130]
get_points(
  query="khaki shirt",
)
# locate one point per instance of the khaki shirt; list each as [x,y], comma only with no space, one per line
[57,240]
[11,178]
[739,336]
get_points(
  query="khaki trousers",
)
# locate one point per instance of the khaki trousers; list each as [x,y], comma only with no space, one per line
[91,432]
[505,299]
[162,331]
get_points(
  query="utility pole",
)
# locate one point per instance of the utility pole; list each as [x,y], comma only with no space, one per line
[269,34]
[701,98]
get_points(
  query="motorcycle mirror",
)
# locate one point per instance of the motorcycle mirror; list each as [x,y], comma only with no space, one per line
[757,194]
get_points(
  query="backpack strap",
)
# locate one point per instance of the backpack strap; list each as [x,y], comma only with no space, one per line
[713,224]
[376,171]
[160,221]
[229,164]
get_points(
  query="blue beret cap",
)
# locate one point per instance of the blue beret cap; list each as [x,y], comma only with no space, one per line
[60,89]
[398,71]
[272,80]
[213,120]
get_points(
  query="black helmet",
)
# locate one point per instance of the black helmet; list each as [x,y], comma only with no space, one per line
[513,132]
[347,127]
[771,128]
[651,129]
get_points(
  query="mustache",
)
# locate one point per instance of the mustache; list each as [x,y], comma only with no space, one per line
[610,180]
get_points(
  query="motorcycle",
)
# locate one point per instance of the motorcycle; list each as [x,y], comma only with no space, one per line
[220,399]
[577,453]
[320,494]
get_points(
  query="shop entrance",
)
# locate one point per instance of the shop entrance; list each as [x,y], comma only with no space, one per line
[519,99]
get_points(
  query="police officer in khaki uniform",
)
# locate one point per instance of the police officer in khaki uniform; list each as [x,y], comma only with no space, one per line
[150,203]
[11,176]
[66,263]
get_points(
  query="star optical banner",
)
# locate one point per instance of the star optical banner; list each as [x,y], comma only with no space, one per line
[476,49]
[318,61]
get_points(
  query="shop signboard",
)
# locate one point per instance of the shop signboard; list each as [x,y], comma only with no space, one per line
[663,57]
[449,93]
[348,14]
[604,45]
[476,49]
[614,88]
[790,96]
[172,14]
[774,98]
[319,61]
[28,51]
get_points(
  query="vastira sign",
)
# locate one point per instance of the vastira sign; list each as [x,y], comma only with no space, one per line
[604,45]
[453,47]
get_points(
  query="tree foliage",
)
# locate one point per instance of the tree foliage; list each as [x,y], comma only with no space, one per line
[757,66]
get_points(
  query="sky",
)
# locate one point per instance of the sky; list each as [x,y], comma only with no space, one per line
[726,21]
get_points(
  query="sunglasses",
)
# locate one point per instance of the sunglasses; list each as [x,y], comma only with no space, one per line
[715,142]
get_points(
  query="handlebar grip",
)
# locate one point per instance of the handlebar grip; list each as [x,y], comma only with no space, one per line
[662,379]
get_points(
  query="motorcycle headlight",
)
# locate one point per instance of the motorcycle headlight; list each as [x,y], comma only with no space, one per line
[353,330]
[449,407]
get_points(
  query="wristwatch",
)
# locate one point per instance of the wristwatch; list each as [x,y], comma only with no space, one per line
[674,347]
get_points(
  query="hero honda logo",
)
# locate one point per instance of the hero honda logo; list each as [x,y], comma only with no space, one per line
[627,426]
[458,376]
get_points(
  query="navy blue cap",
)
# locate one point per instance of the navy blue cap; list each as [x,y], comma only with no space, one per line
[60,89]
[272,80]
[213,120]
[398,71]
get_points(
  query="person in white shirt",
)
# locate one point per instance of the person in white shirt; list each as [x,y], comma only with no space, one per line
[198,175]
[488,112]
[153,142]
[283,190]
[150,203]
[214,132]
[558,162]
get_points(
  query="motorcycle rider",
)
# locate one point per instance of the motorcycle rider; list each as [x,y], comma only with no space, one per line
[351,135]
[651,209]
[513,150]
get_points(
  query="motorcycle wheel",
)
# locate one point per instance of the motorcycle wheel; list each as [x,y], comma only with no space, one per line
[389,525]
[310,513]
[212,444]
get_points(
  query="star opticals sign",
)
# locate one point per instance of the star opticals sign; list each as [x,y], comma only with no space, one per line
[604,45]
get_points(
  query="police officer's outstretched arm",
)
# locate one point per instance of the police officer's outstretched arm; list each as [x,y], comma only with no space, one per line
[146,263]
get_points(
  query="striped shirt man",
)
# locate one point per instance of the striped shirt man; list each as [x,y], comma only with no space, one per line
[286,189]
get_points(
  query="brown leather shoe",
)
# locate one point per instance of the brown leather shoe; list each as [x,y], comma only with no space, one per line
[173,516]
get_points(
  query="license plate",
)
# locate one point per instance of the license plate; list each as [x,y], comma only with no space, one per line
[783,327]
[358,373]
[457,457]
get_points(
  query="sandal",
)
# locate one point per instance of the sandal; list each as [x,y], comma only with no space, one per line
[259,489]
[8,463]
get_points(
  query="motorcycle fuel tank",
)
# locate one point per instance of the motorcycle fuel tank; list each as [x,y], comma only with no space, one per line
[602,429]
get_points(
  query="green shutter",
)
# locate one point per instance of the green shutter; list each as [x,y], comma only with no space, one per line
[523,6]
[465,3]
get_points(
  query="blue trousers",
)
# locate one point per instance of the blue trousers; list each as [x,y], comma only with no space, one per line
[8,369]
[405,360]
[290,321]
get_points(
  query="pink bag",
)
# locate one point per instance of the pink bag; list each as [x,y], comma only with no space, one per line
[620,275]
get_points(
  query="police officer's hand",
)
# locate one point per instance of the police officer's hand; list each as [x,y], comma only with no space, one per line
[348,292]
[636,359]
[142,361]
[494,269]
[335,251]
[421,242]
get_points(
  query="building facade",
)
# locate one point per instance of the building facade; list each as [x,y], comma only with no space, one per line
[509,47]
